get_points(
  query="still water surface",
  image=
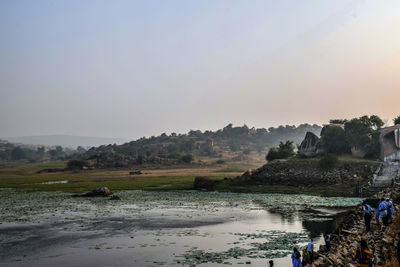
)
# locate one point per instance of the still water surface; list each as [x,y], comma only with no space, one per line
[161,228]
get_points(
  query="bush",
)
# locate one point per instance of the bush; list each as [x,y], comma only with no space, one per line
[75,164]
[328,162]
[188,158]
[283,151]
[220,161]
[203,182]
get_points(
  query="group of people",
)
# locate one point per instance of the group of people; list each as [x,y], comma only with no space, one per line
[384,213]
[308,256]
[363,255]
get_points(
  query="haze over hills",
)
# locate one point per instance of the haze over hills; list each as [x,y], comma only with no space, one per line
[64,140]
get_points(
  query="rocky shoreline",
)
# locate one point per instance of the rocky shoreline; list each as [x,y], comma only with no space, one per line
[347,237]
[306,175]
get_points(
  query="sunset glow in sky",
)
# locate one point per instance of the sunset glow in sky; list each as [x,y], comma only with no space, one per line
[139,68]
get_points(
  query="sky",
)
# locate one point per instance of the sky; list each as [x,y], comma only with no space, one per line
[139,68]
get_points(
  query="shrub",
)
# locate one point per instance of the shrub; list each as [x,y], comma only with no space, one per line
[187,158]
[220,161]
[328,162]
[203,182]
[283,151]
[75,164]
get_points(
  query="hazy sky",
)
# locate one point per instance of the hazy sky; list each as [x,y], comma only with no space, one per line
[139,68]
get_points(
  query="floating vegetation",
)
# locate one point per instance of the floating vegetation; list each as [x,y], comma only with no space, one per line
[279,244]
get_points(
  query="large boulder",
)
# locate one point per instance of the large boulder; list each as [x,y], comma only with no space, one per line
[311,145]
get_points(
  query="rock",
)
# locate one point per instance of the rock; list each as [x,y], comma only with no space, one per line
[135,173]
[311,145]
[97,192]
[115,197]
[203,183]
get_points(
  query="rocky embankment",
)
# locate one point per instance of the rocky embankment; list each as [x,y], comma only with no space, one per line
[347,237]
[309,173]
[305,175]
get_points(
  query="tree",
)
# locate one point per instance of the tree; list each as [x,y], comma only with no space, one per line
[338,121]
[283,151]
[363,133]
[396,120]
[334,140]
[17,153]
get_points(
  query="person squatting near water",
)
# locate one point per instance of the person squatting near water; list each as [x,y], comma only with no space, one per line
[308,254]
[363,256]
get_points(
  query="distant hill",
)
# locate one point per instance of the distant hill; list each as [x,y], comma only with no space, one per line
[64,140]
[233,143]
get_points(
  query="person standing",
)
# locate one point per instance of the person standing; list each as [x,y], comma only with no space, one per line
[383,212]
[363,256]
[367,215]
[296,261]
[390,210]
[327,238]
[376,210]
[271,263]
[310,250]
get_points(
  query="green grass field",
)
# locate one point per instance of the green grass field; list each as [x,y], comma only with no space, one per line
[25,177]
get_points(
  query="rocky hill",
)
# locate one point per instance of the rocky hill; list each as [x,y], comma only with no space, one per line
[171,149]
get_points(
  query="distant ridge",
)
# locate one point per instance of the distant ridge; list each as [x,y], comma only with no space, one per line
[64,140]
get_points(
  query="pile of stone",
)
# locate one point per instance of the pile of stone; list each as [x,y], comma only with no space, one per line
[308,173]
[346,239]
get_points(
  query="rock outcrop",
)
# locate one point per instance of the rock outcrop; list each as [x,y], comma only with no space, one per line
[311,145]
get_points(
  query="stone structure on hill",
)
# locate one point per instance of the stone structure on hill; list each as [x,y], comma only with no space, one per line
[390,143]
[389,140]
[312,145]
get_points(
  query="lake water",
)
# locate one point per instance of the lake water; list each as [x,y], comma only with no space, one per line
[161,228]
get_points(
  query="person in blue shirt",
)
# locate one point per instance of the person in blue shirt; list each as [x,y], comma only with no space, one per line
[377,215]
[383,212]
[389,204]
[327,238]
[367,215]
[296,261]
[310,250]
[271,263]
